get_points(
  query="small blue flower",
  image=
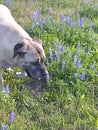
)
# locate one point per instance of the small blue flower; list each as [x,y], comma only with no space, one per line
[78,46]
[51,54]
[58,53]
[9,3]
[11,117]
[3,127]
[81,22]
[75,75]
[78,64]
[82,77]
[36,16]
[41,21]
[62,18]
[92,66]
[69,21]
[63,64]
[90,25]
[7,89]
[75,58]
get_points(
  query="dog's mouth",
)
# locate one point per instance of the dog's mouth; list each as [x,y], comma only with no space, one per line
[37,74]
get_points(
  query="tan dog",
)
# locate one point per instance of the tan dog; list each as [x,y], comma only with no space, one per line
[18,49]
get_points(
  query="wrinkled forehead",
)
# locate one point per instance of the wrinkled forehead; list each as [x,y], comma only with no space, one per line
[36,52]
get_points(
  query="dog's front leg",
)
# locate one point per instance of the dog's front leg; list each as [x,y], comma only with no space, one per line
[1,80]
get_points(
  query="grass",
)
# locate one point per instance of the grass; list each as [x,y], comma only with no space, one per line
[69,101]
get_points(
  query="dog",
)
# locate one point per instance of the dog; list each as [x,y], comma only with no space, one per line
[18,49]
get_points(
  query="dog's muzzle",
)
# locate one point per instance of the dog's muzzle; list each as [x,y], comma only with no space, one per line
[37,72]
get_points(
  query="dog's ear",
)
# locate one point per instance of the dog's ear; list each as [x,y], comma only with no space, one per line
[18,49]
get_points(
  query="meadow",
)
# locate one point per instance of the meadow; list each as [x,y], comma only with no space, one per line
[69,101]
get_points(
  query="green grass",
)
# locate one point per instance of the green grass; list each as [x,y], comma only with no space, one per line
[68,101]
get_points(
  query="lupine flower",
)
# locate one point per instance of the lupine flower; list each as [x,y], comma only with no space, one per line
[9,3]
[51,54]
[75,75]
[78,64]
[69,21]
[62,18]
[3,127]
[80,22]
[63,49]
[82,77]
[41,21]
[90,25]
[11,117]
[75,58]
[92,66]
[63,64]
[36,16]
[7,89]
[58,53]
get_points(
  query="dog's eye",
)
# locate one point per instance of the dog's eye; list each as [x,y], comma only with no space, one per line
[21,54]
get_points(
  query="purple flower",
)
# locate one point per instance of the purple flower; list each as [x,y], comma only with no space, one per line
[3,127]
[75,58]
[9,3]
[7,89]
[63,64]
[36,15]
[69,21]
[41,21]
[62,18]
[82,77]
[90,25]
[11,117]
[51,54]
[92,66]
[80,22]
[78,64]
[75,75]
[58,53]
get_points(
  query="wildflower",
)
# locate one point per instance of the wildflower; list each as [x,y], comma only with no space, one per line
[41,21]
[90,25]
[11,117]
[92,66]
[63,49]
[75,58]
[78,64]
[36,16]
[80,22]
[75,75]
[69,21]
[3,127]
[63,64]
[78,46]
[7,89]
[62,18]
[9,3]
[51,54]
[58,53]
[82,77]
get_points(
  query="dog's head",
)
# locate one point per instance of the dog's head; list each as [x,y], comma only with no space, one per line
[30,55]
